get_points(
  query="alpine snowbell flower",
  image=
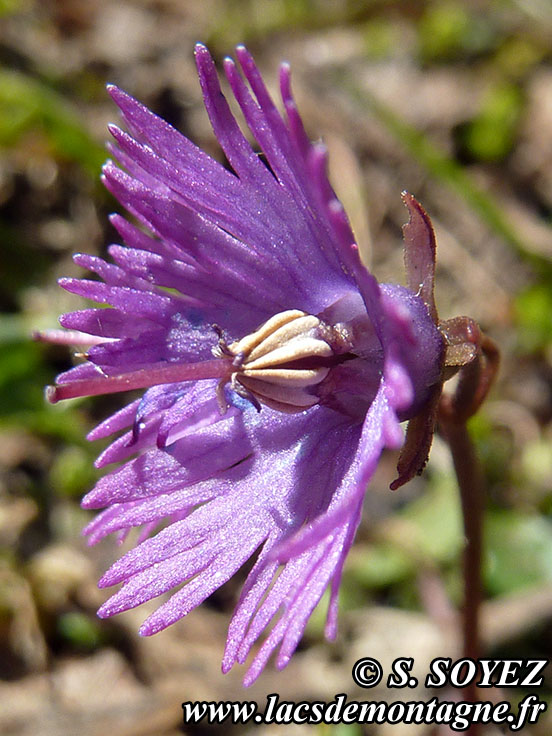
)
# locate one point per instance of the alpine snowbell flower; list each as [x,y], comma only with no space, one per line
[276,367]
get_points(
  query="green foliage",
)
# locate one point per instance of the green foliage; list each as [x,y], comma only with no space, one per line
[28,105]
[342,729]
[9,7]
[494,448]
[536,467]
[428,531]
[518,551]
[72,472]
[380,38]
[449,31]
[379,564]
[518,55]
[17,272]
[436,519]
[491,134]
[80,630]
[20,377]
[23,375]
[533,314]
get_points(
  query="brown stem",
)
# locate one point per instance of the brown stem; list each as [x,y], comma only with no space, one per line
[454,411]
[470,482]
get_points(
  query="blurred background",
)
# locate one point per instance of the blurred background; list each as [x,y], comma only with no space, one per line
[450,100]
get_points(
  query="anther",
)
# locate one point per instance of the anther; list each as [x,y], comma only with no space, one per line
[279,364]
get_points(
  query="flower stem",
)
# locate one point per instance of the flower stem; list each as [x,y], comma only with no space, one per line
[470,482]
[475,379]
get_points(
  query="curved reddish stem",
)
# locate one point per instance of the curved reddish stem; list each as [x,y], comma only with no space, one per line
[475,380]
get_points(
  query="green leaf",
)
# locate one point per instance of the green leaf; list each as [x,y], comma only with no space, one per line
[73,471]
[427,530]
[379,565]
[80,630]
[28,104]
[436,516]
[450,30]
[518,551]
[491,134]
[533,314]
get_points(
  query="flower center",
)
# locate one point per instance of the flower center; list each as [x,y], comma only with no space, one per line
[279,364]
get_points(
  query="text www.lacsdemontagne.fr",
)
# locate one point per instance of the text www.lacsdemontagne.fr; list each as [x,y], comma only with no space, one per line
[458,715]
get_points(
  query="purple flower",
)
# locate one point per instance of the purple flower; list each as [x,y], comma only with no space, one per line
[276,368]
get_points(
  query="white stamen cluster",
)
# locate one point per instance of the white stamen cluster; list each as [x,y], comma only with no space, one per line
[277,364]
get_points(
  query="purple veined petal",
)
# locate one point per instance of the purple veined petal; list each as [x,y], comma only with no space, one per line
[317,164]
[267,587]
[219,513]
[275,236]
[146,304]
[330,629]
[180,537]
[224,516]
[227,206]
[371,444]
[314,579]
[127,355]
[193,458]
[221,293]
[236,147]
[295,123]
[167,141]
[314,568]
[268,128]
[185,419]
[94,529]
[143,416]
[234,217]
[111,273]
[287,148]
[398,385]
[107,323]
[142,436]
[288,583]
[155,399]
[266,124]
[310,594]
[183,343]
[138,173]
[165,575]
[415,349]
[315,161]
[258,582]
[239,153]
[200,588]
[136,239]
[160,398]
[116,422]
[79,372]
[185,230]
[153,509]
